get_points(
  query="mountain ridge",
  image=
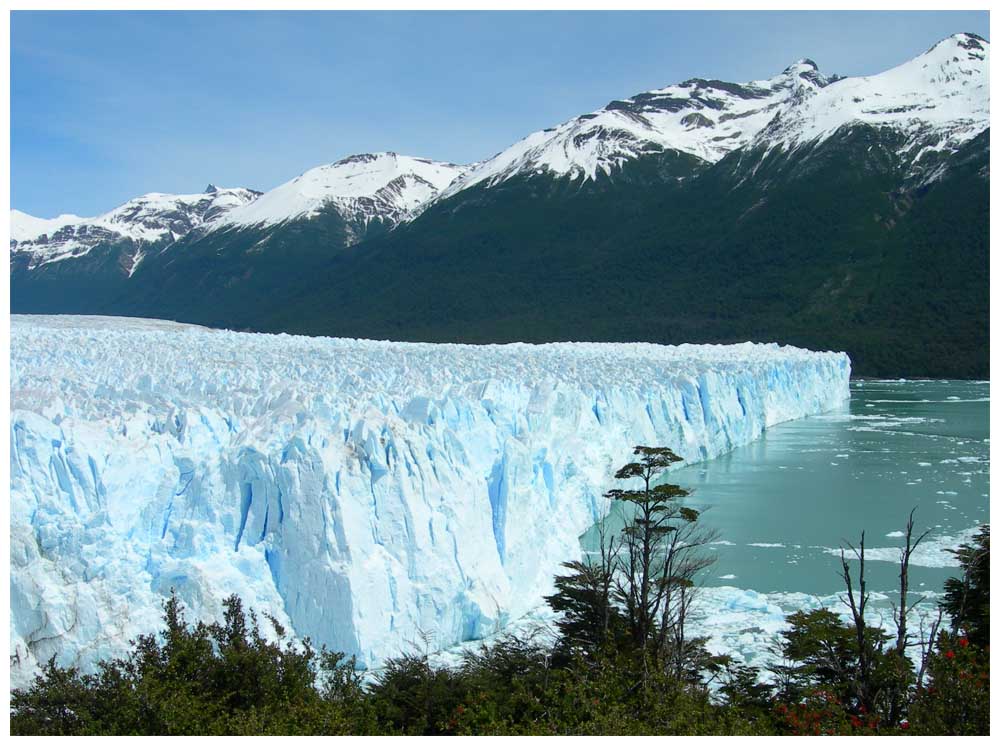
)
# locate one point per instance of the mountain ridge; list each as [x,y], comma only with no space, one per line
[604,139]
[825,241]
[145,220]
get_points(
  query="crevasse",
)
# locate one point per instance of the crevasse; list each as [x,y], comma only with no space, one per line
[373,496]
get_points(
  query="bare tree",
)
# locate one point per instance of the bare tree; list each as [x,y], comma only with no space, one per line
[857,606]
[891,692]
[926,642]
[903,610]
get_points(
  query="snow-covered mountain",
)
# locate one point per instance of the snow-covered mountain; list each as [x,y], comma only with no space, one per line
[938,100]
[700,178]
[944,93]
[703,118]
[364,493]
[361,188]
[372,187]
[149,219]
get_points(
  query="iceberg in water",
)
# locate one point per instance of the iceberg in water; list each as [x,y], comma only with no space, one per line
[371,495]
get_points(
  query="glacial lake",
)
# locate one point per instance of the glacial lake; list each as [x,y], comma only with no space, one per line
[784,504]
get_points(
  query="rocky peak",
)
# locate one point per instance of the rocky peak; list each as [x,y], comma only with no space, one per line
[150,219]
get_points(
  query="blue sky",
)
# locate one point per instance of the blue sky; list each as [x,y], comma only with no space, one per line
[109,105]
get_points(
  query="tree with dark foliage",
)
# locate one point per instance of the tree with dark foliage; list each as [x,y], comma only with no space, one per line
[653,575]
[222,678]
[967,599]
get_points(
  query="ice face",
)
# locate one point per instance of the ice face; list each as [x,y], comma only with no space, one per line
[370,495]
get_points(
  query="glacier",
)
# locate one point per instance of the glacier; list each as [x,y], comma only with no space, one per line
[373,496]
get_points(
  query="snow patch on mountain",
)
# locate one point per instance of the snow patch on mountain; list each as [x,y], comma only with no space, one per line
[25,227]
[144,220]
[362,188]
[703,118]
[364,493]
[940,100]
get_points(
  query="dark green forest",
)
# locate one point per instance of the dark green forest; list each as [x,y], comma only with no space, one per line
[839,246]
[622,660]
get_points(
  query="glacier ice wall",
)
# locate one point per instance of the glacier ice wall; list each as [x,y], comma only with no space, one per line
[370,494]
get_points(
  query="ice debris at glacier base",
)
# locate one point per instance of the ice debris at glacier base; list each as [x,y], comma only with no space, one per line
[369,494]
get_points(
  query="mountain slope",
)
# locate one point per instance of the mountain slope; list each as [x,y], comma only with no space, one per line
[703,118]
[261,248]
[944,91]
[822,250]
[383,187]
[867,233]
[845,213]
[260,255]
[147,220]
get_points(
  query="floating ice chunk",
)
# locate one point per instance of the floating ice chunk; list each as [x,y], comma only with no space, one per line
[933,551]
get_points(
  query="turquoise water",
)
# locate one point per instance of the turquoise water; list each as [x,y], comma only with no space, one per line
[784,504]
[809,485]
